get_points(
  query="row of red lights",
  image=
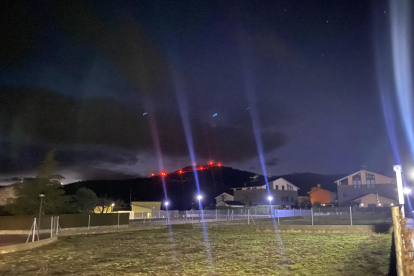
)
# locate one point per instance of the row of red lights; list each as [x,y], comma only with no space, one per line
[180,171]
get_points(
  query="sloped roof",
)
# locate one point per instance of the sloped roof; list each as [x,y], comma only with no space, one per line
[223,193]
[372,194]
[262,183]
[234,203]
[360,172]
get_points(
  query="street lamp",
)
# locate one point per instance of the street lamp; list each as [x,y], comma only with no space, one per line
[166,204]
[199,197]
[270,198]
[40,210]
[398,174]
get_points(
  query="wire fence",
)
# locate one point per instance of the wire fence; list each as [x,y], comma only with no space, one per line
[313,216]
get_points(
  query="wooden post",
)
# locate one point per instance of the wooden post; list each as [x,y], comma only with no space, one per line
[397,239]
[89,221]
[118,220]
[350,213]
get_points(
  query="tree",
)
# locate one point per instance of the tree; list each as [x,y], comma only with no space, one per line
[104,204]
[86,200]
[47,182]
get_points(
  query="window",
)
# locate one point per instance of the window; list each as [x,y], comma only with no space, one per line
[356,181]
[370,180]
[290,188]
[291,199]
[277,187]
[283,187]
[283,198]
[223,198]
[344,195]
[343,181]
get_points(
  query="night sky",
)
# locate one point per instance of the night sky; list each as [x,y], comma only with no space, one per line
[79,76]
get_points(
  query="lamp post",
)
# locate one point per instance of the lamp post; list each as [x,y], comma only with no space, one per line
[398,170]
[40,211]
[199,197]
[166,208]
[270,198]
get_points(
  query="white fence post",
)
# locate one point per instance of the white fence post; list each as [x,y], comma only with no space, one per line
[350,213]
[312,214]
[118,220]
[248,217]
[57,226]
[216,214]
[89,221]
[51,226]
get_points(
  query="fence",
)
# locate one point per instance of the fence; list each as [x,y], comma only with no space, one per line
[195,216]
[403,244]
[65,221]
[314,216]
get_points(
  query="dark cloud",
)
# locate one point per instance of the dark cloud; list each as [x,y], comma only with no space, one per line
[84,131]
[272,162]
[94,173]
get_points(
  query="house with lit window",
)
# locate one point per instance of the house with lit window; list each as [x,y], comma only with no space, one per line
[283,193]
[363,183]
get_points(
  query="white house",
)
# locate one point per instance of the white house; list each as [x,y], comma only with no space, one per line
[362,183]
[224,197]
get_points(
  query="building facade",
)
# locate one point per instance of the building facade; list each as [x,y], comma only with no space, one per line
[282,191]
[362,183]
[324,197]
[224,197]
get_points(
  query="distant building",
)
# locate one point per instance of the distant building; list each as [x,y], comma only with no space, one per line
[145,206]
[283,192]
[362,183]
[324,197]
[224,197]
[374,200]
[232,204]
[304,201]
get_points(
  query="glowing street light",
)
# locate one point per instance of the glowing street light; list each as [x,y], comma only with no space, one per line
[398,174]
[407,191]
[166,203]
[40,211]
[199,197]
[270,198]
[113,204]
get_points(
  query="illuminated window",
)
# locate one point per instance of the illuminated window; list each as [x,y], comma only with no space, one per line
[370,180]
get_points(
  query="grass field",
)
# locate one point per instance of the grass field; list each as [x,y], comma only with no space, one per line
[233,252]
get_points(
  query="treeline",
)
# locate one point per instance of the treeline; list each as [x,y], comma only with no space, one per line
[46,192]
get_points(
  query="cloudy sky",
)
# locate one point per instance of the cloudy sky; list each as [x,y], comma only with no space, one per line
[108,84]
